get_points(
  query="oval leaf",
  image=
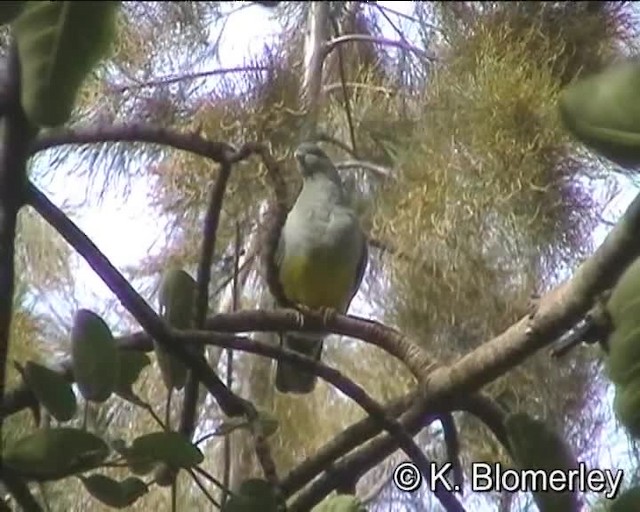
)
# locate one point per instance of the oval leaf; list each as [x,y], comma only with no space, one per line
[254,495]
[163,475]
[603,111]
[536,446]
[172,448]
[176,297]
[137,466]
[341,503]
[94,356]
[130,366]
[628,501]
[112,492]
[59,43]
[51,390]
[51,454]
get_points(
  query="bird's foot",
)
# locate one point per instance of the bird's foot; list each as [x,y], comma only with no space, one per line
[300,311]
[328,314]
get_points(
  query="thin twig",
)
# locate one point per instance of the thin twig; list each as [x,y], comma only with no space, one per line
[191,142]
[204,490]
[345,90]
[210,230]
[226,471]
[365,38]
[188,77]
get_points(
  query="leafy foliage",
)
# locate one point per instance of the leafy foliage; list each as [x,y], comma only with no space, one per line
[58,44]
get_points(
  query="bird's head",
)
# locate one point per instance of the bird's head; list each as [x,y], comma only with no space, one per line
[312,161]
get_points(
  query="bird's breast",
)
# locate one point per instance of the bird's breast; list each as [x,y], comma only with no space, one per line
[322,251]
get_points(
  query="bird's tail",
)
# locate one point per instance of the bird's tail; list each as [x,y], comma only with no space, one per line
[290,378]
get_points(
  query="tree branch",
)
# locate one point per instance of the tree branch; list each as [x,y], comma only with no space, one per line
[192,142]
[345,385]
[134,303]
[210,230]
[188,77]
[14,139]
[365,38]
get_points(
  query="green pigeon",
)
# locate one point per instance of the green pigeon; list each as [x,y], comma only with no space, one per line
[321,257]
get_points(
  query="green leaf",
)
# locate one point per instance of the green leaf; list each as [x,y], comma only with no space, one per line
[94,356]
[172,448]
[177,302]
[536,446]
[51,454]
[114,493]
[254,495]
[59,43]
[130,365]
[9,10]
[603,111]
[340,503]
[628,501]
[626,405]
[138,466]
[51,390]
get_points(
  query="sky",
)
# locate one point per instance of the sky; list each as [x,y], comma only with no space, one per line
[126,232]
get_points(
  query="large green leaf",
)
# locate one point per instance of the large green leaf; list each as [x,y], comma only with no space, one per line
[114,493]
[9,10]
[603,111]
[628,501]
[51,454]
[94,356]
[172,448]
[51,390]
[177,300]
[535,446]
[59,43]
[254,495]
[130,365]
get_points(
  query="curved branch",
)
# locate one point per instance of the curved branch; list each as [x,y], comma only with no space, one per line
[400,436]
[191,142]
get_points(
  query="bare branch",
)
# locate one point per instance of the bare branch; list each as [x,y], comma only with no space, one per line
[377,170]
[192,142]
[188,77]
[210,230]
[365,38]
